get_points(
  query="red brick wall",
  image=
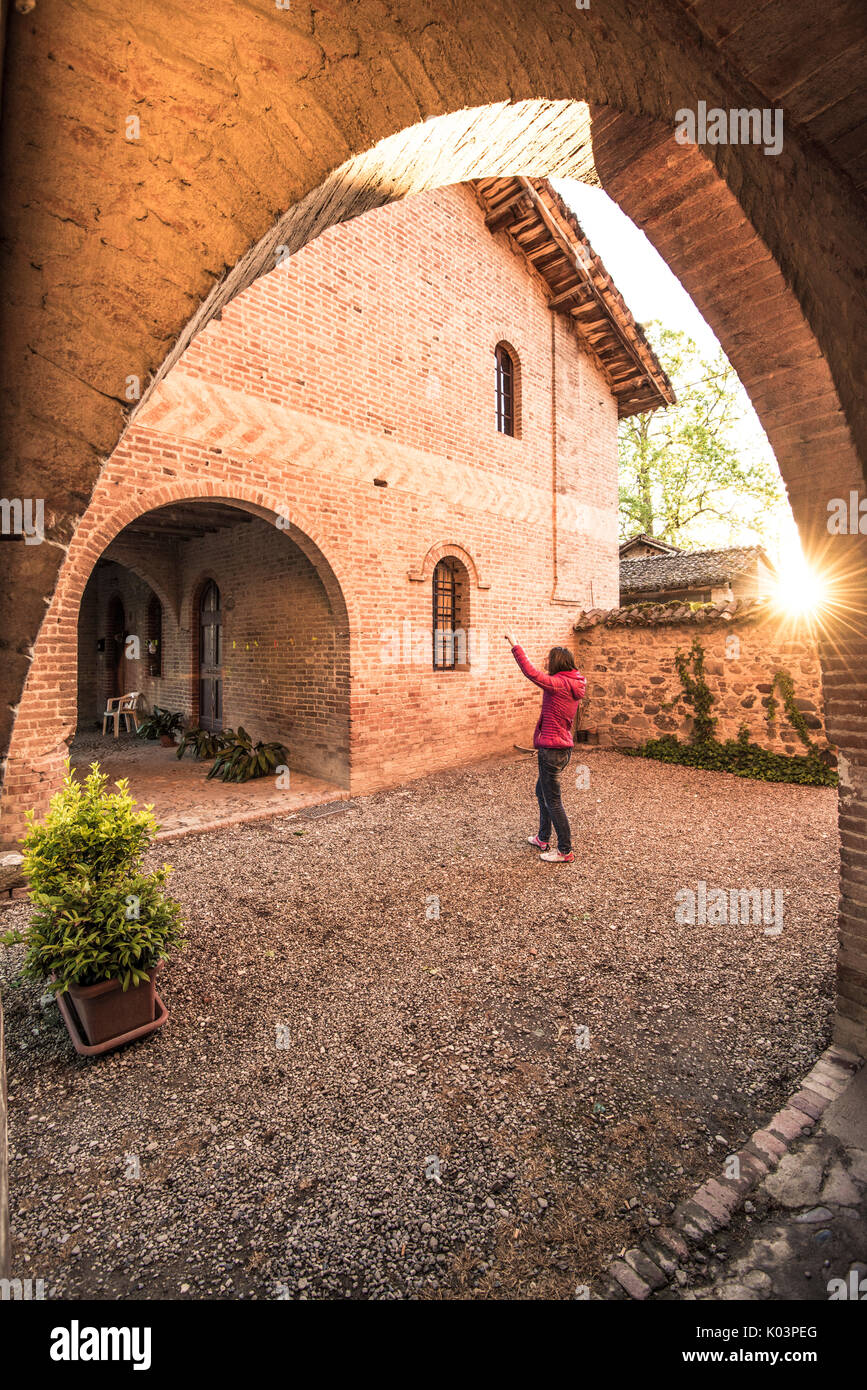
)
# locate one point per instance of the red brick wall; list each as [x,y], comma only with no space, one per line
[171,689]
[388,325]
[89,630]
[370,356]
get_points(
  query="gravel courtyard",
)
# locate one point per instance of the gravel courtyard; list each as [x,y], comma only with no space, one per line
[357,1098]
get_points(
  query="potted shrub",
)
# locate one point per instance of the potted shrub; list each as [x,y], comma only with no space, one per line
[101,926]
[161,724]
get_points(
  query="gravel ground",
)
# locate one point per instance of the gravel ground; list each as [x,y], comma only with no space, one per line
[429,1127]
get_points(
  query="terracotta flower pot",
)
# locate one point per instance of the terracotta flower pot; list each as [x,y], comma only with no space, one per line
[167,741]
[106,1012]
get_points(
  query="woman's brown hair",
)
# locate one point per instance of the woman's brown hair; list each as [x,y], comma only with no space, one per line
[560,659]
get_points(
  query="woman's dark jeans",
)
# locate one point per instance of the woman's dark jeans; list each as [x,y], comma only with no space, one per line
[552,763]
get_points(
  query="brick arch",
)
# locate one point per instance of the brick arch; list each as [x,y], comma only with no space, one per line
[500,341]
[194,599]
[101,525]
[544,130]
[202,580]
[47,716]
[267,110]
[440,552]
[156,586]
[682,201]
[502,86]
[680,197]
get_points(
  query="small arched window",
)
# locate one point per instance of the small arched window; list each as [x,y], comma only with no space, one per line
[450,618]
[155,636]
[506,387]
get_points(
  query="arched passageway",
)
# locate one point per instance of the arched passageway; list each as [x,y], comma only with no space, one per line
[768,246]
[284,659]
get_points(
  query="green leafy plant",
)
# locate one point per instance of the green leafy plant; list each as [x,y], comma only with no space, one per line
[97,915]
[204,743]
[696,691]
[241,760]
[785,685]
[158,722]
[679,468]
[742,758]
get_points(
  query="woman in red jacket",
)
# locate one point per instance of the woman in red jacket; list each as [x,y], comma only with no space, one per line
[562,687]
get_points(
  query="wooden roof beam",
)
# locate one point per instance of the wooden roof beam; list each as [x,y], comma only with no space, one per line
[501,216]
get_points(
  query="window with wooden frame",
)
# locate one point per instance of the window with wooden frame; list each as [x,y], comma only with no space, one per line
[506,390]
[450,591]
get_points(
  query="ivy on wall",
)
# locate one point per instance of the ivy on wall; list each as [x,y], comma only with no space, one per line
[738,755]
[783,682]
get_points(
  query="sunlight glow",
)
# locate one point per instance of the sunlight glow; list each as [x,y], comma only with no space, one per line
[801,590]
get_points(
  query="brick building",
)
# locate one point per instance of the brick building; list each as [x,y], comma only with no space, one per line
[388,450]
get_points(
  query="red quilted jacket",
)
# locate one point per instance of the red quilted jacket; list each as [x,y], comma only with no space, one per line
[559,702]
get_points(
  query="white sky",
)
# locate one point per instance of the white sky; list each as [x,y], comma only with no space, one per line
[653,292]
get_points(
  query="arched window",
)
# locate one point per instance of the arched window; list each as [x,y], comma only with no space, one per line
[155,636]
[450,616]
[506,386]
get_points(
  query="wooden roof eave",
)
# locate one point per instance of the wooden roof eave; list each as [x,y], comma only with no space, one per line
[637,381]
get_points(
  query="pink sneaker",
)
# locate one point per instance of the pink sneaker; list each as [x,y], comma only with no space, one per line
[553,856]
[536,842]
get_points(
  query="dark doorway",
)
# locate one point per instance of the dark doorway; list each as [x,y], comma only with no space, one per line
[210,658]
[115,648]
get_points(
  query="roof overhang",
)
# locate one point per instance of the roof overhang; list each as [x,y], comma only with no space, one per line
[551,241]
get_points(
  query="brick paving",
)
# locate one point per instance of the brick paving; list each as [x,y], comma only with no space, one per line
[807,1235]
[184,801]
[785,1221]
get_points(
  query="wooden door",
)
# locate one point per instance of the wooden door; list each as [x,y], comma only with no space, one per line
[210,659]
[116,647]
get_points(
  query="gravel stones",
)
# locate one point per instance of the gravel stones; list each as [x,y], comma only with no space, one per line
[405,1059]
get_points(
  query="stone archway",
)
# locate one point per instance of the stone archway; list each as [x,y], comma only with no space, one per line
[111,195]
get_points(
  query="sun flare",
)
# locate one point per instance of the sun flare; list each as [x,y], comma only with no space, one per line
[801,590]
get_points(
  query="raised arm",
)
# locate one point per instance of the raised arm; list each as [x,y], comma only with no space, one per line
[537,677]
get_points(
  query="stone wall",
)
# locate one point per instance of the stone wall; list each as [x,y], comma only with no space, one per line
[635,693]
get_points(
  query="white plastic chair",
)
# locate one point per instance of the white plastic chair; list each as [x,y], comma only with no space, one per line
[122,707]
